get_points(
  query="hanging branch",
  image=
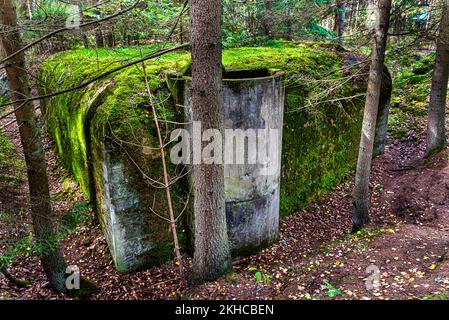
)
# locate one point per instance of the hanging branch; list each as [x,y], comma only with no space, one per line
[165,173]
[85,84]
[178,20]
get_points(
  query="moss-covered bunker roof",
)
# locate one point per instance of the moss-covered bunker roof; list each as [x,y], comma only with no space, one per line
[120,99]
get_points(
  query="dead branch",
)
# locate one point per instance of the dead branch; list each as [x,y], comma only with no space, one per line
[17,282]
[165,173]
[85,84]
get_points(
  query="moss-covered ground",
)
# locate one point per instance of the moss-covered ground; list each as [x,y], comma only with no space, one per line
[11,166]
[410,96]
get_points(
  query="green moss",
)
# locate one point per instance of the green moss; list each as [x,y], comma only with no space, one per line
[412,87]
[410,96]
[12,168]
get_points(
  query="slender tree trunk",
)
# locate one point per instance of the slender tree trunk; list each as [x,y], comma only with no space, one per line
[52,259]
[288,24]
[83,34]
[360,213]
[267,19]
[212,255]
[110,38]
[181,30]
[166,176]
[98,33]
[436,133]
[352,7]
[29,10]
[341,22]
[99,38]
[356,20]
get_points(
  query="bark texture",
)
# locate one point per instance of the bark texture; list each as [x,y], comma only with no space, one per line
[436,133]
[360,213]
[52,259]
[212,256]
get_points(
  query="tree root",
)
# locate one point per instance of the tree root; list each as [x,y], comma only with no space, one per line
[17,282]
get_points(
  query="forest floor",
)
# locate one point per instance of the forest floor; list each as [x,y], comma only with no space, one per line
[315,258]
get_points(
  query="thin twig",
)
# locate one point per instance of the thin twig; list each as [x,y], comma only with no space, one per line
[101,76]
[48,35]
[165,173]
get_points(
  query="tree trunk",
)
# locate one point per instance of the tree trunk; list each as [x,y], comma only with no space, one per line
[83,34]
[30,9]
[360,213]
[288,24]
[356,20]
[98,33]
[436,133]
[52,259]
[212,256]
[339,21]
[267,19]
[352,7]
[99,38]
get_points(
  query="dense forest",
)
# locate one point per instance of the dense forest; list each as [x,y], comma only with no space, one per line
[224,149]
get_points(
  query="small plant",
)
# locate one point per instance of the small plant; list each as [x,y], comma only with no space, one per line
[331,290]
[261,277]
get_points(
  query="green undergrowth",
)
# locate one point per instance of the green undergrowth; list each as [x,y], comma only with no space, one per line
[443,295]
[12,168]
[410,96]
[28,245]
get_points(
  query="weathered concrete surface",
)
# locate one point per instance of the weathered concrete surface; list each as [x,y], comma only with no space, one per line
[124,221]
[253,111]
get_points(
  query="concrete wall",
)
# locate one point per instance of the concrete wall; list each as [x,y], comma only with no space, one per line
[252,187]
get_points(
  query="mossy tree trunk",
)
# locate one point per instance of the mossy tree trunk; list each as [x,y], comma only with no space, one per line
[360,213]
[51,257]
[436,133]
[212,255]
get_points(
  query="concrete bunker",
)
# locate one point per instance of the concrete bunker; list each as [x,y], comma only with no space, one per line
[319,145]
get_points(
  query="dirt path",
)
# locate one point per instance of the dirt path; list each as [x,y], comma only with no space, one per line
[410,257]
[407,242]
